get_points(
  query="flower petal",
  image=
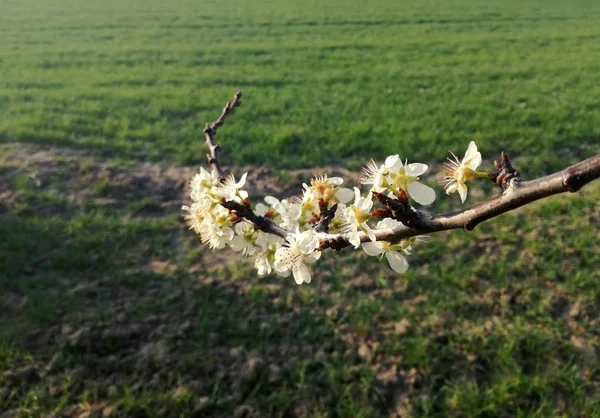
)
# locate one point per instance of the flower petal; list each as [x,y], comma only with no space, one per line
[356,196]
[336,181]
[284,259]
[371,234]
[472,157]
[271,201]
[367,203]
[392,160]
[397,261]
[307,242]
[312,258]
[242,181]
[451,187]
[372,248]
[387,223]
[471,150]
[475,161]
[227,233]
[241,227]
[415,169]
[354,239]
[462,191]
[237,244]
[282,273]
[260,209]
[301,274]
[344,195]
[422,194]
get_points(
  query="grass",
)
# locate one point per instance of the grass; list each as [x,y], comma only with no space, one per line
[113,310]
[336,83]
[111,306]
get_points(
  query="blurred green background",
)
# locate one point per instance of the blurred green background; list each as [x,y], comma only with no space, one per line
[109,306]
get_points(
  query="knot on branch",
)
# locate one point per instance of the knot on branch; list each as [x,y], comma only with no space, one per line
[504,172]
[575,177]
[337,244]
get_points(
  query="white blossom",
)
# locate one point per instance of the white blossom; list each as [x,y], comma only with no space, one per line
[393,252]
[289,211]
[201,184]
[309,207]
[327,188]
[301,250]
[271,210]
[375,176]
[339,221]
[229,190]
[357,216]
[215,230]
[246,238]
[265,257]
[458,173]
[196,213]
[406,177]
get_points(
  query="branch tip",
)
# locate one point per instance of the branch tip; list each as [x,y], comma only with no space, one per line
[210,130]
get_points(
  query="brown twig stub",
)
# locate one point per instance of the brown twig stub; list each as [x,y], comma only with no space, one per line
[381,213]
[504,172]
[211,130]
[337,243]
[327,215]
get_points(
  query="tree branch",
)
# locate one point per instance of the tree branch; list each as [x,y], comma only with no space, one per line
[211,130]
[517,193]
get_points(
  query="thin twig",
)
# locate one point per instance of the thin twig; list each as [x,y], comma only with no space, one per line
[211,130]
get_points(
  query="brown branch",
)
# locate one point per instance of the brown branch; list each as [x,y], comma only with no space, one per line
[211,130]
[517,193]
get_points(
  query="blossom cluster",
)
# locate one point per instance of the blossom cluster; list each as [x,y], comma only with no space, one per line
[354,218]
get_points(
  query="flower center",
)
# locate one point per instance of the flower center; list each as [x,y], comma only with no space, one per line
[402,180]
[250,236]
[224,220]
[361,217]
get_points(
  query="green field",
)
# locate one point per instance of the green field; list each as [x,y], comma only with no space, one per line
[330,84]
[110,306]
